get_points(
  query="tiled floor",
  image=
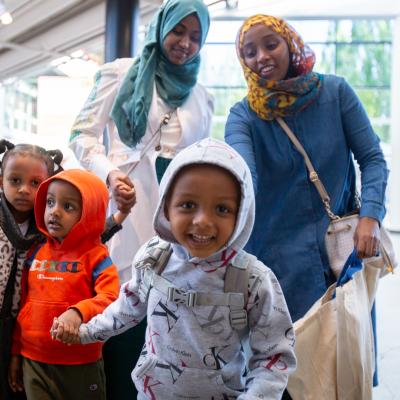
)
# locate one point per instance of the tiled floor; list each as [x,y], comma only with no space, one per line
[388,327]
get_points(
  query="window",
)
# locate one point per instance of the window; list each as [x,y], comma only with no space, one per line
[359,50]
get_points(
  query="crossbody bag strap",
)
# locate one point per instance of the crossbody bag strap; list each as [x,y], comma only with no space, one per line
[314,178]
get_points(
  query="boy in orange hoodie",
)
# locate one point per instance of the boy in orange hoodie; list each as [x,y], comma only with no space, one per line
[70,277]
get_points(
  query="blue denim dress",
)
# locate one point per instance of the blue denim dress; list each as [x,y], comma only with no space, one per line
[290,225]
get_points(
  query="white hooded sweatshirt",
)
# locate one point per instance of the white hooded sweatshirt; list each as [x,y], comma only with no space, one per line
[193,352]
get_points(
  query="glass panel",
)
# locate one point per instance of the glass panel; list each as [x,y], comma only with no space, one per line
[223,31]
[20,99]
[364,30]
[364,64]
[224,99]
[377,105]
[220,66]
[325,58]
[383,131]
[218,129]
[315,30]
[376,101]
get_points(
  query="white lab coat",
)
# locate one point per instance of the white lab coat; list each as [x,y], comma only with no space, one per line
[139,163]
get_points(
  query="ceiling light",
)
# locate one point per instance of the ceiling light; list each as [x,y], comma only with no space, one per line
[60,60]
[77,53]
[230,4]
[5,16]
[77,68]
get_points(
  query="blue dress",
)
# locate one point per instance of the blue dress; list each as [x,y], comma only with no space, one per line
[290,225]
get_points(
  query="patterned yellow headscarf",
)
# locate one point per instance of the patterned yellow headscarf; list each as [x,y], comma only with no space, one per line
[269,99]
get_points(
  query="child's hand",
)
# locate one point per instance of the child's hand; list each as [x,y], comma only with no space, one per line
[15,374]
[128,195]
[123,190]
[65,328]
[119,217]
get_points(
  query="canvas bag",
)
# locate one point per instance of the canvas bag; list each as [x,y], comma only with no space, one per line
[315,348]
[334,341]
[355,338]
[339,240]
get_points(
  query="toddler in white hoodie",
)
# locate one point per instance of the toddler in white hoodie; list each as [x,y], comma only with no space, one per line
[197,320]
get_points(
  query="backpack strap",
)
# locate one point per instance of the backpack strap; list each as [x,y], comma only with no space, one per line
[156,256]
[153,262]
[191,298]
[237,275]
[235,294]
[237,281]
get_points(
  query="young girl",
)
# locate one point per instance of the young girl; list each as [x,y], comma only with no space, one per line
[22,169]
[70,276]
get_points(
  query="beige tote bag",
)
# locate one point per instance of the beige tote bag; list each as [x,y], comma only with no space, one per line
[334,343]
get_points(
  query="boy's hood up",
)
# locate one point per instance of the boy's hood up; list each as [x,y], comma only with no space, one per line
[94,205]
[214,152]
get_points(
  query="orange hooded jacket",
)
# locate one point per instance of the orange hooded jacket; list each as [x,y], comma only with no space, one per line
[77,272]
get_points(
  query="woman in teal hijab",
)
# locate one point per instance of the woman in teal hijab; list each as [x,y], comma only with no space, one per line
[151,107]
[173,80]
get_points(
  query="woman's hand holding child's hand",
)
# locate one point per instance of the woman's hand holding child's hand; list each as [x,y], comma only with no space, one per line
[65,328]
[123,190]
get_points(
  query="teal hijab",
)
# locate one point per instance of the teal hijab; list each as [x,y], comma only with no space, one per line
[173,82]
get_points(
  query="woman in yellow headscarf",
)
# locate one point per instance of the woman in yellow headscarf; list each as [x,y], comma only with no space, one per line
[330,122]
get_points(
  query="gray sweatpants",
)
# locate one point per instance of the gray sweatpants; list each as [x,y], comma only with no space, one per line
[64,382]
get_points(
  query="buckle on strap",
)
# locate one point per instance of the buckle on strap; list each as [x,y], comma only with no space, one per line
[314,176]
[180,296]
[238,318]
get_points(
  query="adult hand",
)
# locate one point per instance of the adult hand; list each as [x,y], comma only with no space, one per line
[15,374]
[367,237]
[65,328]
[123,190]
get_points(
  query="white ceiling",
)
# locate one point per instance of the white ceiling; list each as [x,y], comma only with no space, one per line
[47,29]
[316,8]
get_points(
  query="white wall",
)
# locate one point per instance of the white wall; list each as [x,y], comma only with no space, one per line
[59,102]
